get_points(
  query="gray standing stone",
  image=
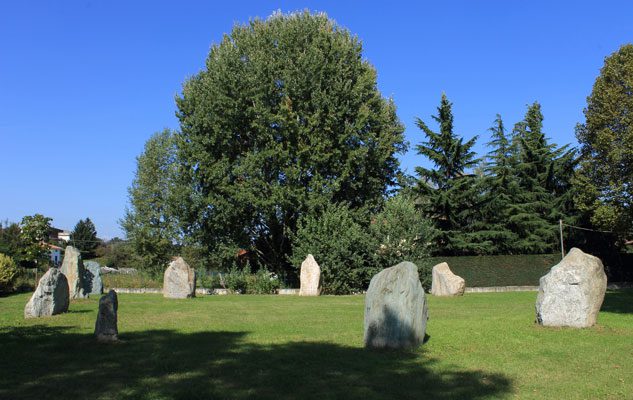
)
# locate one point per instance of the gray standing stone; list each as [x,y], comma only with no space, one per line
[445,282]
[92,278]
[571,294]
[73,268]
[395,308]
[106,326]
[50,297]
[309,276]
[180,280]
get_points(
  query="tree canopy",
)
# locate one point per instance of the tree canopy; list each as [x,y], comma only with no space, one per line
[606,139]
[285,119]
[84,237]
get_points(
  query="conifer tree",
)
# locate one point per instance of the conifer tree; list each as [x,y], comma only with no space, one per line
[448,191]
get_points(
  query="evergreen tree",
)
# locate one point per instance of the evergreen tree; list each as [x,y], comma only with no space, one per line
[448,192]
[544,173]
[499,187]
[84,237]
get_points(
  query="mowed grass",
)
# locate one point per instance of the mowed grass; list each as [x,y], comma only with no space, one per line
[480,346]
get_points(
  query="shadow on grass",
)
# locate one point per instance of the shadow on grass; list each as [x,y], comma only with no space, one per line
[618,301]
[49,362]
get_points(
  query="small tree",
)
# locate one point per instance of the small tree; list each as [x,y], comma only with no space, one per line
[8,272]
[84,237]
[34,233]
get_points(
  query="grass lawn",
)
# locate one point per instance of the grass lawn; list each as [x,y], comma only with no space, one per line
[481,346]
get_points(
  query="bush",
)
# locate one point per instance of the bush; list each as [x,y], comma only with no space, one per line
[236,279]
[262,282]
[8,273]
[402,233]
[342,247]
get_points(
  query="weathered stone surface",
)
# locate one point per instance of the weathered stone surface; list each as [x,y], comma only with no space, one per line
[106,329]
[309,276]
[445,282]
[571,294]
[180,280]
[92,278]
[395,308]
[73,269]
[50,297]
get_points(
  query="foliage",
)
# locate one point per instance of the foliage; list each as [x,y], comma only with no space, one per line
[606,140]
[10,239]
[117,253]
[236,279]
[262,282]
[285,118]
[543,172]
[448,192]
[401,233]
[34,231]
[84,237]
[150,223]
[343,249]
[8,273]
[131,281]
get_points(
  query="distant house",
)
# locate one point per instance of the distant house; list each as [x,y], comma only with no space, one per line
[55,253]
[56,235]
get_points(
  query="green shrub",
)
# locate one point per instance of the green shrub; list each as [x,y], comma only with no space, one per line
[236,279]
[402,233]
[262,282]
[8,273]
[341,246]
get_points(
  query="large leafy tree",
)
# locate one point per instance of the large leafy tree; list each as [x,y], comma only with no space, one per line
[606,138]
[448,192]
[150,223]
[285,119]
[84,237]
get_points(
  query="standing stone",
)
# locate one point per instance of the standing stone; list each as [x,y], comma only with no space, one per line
[106,326]
[309,276]
[92,278]
[395,308]
[73,269]
[445,282]
[571,294]
[180,280]
[50,297]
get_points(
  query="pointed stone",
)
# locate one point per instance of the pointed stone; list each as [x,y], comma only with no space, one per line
[180,280]
[106,329]
[445,282]
[73,268]
[395,308]
[50,297]
[310,275]
[571,294]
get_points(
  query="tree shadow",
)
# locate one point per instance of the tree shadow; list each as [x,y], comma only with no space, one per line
[53,363]
[618,301]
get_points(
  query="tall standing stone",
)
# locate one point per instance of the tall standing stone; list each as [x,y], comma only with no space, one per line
[92,278]
[445,282]
[73,269]
[309,276]
[106,329]
[50,297]
[180,280]
[571,294]
[395,308]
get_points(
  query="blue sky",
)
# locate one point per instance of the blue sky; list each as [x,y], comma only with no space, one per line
[83,84]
